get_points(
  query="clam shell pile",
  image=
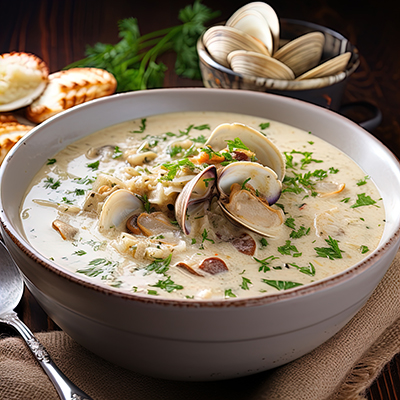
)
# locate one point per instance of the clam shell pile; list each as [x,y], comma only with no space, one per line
[249,44]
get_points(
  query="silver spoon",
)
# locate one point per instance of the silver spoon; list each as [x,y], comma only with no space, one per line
[11,290]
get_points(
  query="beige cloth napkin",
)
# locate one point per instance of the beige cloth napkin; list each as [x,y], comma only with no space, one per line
[340,369]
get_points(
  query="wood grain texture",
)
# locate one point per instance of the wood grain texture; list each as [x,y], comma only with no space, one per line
[58,32]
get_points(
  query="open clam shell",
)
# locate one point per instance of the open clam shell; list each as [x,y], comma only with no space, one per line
[256,64]
[269,15]
[302,53]
[246,191]
[253,23]
[198,191]
[267,153]
[331,67]
[118,207]
[222,40]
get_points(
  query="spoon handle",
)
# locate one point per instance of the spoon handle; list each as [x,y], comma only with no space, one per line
[65,388]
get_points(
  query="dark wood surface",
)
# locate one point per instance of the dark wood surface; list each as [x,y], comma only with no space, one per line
[58,31]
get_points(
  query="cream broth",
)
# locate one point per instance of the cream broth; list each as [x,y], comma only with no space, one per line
[332,214]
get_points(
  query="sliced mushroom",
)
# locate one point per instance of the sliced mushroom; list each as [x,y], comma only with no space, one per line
[155,223]
[67,231]
[213,265]
[245,244]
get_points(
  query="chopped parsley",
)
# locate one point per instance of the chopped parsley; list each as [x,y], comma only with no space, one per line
[79,253]
[236,144]
[199,139]
[142,127]
[205,237]
[264,267]
[84,181]
[362,181]
[243,187]
[99,266]
[159,265]
[245,283]
[345,200]
[363,200]
[146,204]
[302,231]
[173,151]
[281,285]
[51,183]
[168,285]
[309,270]
[364,249]
[208,180]
[263,242]
[202,127]
[229,293]
[289,249]
[94,165]
[51,161]
[290,223]
[330,252]
[264,125]
[174,167]
[117,152]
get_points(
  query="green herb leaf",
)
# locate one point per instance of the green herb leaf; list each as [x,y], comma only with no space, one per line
[290,223]
[263,242]
[159,265]
[229,293]
[142,126]
[117,152]
[168,285]
[289,249]
[364,249]
[202,127]
[264,125]
[236,144]
[94,166]
[330,252]
[281,285]
[51,161]
[363,200]
[245,283]
[51,183]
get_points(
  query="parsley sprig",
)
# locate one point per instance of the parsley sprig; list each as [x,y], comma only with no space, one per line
[330,252]
[133,60]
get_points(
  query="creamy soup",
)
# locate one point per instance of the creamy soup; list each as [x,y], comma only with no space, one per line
[113,207]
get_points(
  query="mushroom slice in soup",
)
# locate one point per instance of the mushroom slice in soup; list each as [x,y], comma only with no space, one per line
[67,231]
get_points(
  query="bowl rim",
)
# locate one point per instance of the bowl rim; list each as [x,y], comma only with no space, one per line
[284,84]
[24,245]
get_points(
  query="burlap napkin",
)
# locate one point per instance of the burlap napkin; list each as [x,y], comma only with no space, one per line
[340,369]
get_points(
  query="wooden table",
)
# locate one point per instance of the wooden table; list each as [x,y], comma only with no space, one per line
[57,31]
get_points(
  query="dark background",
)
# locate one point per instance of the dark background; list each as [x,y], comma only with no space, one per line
[58,32]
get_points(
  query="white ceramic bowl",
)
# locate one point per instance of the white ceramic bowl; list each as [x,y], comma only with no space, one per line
[193,340]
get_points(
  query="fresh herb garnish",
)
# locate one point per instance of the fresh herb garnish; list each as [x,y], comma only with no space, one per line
[236,144]
[345,200]
[51,161]
[199,139]
[364,249]
[133,60]
[142,126]
[99,266]
[146,204]
[281,285]
[264,267]
[202,127]
[207,181]
[309,270]
[363,200]
[290,223]
[79,253]
[174,167]
[229,293]
[94,165]
[330,252]
[168,285]
[302,231]
[263,242]
[159,265]
[84,181]
[289,249]
[117,152]
[264,125]
[243,187]
[51,183]
[245,283]
[362,181]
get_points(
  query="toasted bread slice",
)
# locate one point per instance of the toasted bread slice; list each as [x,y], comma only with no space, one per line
[10,133]
[70,88]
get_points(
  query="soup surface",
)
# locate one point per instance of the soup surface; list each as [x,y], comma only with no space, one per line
[106,208]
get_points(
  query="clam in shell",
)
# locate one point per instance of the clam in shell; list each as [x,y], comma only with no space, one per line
[23,77]
[267,153]
[222,40]
[253,23]
[198,191]
[302,53]
[270,17]
[118,207]
[246,191]
[331,67]
[256,64]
